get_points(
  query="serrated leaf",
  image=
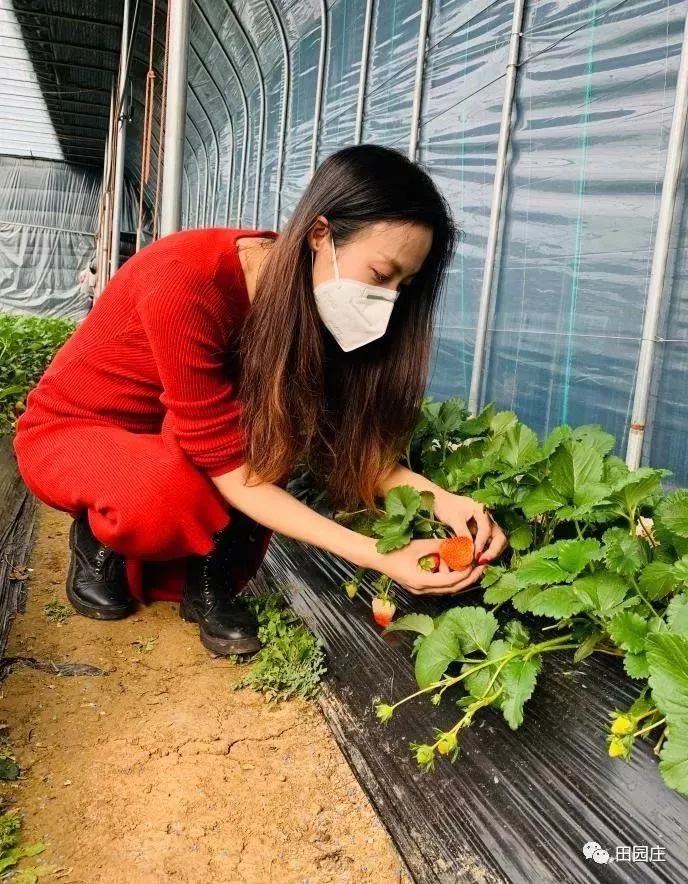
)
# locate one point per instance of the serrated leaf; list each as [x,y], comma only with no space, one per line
[421,623]
[634,487]
[667,657]
[677,614]
[603,593]
[624,553]
[402,501]
[636,665]
[542,499]
[435,652]
[673,512]
[673,755]
[575,555]
[474,625]
[521,538]
[539,572]
[477,682]
[522,599]
[557,602]
[628,630]
[518,683]
[657,580]
[517,634]
[505,588]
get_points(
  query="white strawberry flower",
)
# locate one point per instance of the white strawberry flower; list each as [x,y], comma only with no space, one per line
[643,529]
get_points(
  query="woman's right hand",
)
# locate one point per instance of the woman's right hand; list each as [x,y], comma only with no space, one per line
[402,566]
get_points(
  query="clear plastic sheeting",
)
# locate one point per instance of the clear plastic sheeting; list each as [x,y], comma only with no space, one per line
[47,223]
[48,216]
[593,104]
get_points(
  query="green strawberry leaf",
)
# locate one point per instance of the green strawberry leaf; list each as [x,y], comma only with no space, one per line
[625,554]
[521,538]
[474,625]
[677,614]
[657,580]
[404,501]
[628,630]
[518,683]
[673,512]
[542,499]
[636,665]
[557,602]
[435,652]
[501,590]
[421,623]
[604,594]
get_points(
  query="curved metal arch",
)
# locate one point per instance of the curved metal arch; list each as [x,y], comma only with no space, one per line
[317,115]
[285,109]
[186,185]
[261,121]
[244,99]
[231,129]
[217,154]
[219,91]
[206,176]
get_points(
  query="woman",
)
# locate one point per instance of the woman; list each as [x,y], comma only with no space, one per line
[144,429]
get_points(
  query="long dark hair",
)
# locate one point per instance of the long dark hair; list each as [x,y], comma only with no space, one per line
[346,416]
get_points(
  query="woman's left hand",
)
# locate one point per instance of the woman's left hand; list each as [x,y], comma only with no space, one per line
[456,510]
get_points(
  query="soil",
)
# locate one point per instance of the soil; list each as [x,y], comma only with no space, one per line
[159,771]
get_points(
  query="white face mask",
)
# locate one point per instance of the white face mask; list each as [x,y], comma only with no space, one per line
[356,313]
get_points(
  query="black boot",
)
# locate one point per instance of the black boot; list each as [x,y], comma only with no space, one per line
[227,624]
[96,582]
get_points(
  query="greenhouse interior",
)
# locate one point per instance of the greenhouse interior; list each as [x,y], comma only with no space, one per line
[545,737]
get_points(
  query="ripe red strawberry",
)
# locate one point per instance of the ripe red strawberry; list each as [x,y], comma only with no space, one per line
[383,609]
[431,562]
[457,552]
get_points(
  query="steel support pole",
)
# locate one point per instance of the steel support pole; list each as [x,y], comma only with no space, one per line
[286,62]
[363,76]
[121,123]
[656,287]
[418,86]
[105,215]
[175,116]
[319,88]
[496,209]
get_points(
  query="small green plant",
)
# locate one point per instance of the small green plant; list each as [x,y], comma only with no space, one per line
[11,851]
[145,645]
[291,661]
[56,611]
[27,344]
[595,547]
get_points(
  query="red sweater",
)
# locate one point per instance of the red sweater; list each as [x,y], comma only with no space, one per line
[156,339]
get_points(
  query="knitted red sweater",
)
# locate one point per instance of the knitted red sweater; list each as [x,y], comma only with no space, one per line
[158,339]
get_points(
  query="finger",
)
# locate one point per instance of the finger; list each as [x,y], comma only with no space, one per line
[445,580]
[444,567]
[466,583]
[484,523]
[498,544]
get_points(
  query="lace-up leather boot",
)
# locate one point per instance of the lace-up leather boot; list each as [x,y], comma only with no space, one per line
[226,622]
[96,581]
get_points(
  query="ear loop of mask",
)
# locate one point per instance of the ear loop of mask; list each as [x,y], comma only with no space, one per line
[334,260]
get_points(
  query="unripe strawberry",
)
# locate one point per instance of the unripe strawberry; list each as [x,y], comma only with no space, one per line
[431,562]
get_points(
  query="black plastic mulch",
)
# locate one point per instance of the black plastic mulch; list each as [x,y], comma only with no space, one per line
[17,527]
[516,806]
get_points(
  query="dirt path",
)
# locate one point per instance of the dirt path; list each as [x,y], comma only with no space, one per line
[159,771]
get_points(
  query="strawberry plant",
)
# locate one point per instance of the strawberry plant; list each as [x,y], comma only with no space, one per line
[597,549]
[27,344]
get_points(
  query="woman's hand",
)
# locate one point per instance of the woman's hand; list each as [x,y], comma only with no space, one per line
[402,566]
[456,511]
